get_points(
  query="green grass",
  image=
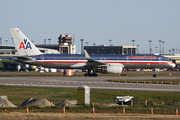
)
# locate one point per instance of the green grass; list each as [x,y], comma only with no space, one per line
[108,96]
[18,95]
[166,81]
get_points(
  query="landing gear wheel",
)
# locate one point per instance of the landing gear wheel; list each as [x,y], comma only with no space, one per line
[95,75]
[90,75]
[154,75]
[85,74]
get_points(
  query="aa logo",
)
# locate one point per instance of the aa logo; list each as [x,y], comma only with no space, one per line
[25,45]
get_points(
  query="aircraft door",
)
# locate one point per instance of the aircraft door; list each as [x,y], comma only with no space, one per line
[128,59]
[42,58]
[160,60]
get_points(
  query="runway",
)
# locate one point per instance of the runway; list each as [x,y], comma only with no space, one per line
[92,82]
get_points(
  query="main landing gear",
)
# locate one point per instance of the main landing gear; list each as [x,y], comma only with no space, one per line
[91,74]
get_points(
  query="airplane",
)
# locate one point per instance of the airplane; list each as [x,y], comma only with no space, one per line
[97,63]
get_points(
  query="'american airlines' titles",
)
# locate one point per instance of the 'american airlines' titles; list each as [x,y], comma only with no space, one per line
[143,57]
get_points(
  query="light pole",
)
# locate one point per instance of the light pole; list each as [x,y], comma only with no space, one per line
[82,45]
[0,41]
[173,51]
[12,40]
[133,42]
[110,42]
[6,41]
[169,51]
[44,41]
[49,41]
[160,46]
[150,46]
[86,43]
[133,46]
[163,46]
[138,49]
[156,49]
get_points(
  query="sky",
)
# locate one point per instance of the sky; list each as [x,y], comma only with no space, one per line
[95,21]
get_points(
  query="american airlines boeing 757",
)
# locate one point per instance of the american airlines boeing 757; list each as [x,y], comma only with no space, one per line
[97,63]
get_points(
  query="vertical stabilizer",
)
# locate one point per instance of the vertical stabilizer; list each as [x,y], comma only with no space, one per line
[23,45]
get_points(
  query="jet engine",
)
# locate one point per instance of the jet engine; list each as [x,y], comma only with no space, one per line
[111,68]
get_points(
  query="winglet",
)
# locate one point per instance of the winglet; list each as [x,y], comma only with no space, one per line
[87,55]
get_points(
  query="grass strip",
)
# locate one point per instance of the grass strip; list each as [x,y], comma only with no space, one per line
[17,95]
[159,81]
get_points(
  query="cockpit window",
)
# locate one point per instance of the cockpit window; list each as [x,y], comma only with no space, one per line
[168,60]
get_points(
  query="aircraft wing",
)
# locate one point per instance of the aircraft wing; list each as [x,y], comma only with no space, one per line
[92,62]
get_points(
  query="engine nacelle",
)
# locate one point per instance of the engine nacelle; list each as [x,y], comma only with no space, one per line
[112,68]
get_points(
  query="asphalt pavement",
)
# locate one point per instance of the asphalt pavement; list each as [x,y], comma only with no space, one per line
[92,82]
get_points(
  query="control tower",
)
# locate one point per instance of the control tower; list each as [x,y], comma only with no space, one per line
[65,44]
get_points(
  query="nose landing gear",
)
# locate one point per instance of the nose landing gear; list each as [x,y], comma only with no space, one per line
[155,72]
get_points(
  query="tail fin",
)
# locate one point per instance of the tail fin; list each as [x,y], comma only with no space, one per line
[24,46]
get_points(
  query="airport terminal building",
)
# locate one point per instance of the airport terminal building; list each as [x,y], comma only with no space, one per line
[103,49]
